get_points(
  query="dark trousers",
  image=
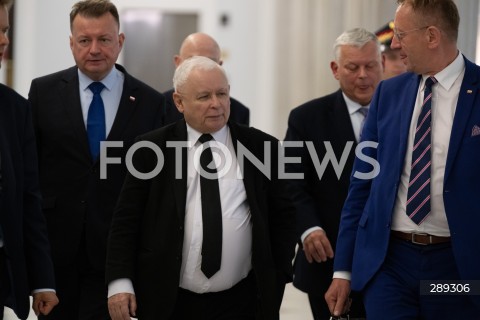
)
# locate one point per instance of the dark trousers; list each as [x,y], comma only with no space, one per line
[394,292]
[236,303]
[81,290]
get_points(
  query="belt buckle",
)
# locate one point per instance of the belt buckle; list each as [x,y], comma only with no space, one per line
[414,234]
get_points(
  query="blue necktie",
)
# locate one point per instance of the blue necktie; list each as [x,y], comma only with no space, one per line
[96,120]
[418,198]
[211,213]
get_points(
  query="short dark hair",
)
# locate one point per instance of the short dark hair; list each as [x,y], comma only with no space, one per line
[441,13]
[7,3]
[93,9]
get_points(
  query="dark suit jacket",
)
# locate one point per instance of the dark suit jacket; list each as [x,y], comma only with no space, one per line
[146,239]
[28,262]
[77,202]
[319,200]
[238,112]
[367,214]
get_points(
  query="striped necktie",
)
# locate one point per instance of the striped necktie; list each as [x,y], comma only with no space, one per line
[418,197]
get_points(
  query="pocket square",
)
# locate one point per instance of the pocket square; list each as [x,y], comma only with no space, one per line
[475,131]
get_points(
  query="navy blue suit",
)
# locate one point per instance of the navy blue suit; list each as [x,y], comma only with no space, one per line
[364,234]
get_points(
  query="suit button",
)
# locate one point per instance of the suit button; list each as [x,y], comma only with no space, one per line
[83,201]
[180,228]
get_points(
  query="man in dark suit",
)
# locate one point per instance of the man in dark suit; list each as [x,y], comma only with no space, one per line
[78,203]
[413,222]
[330,123]
[201,44]
[25,263]
[158,237]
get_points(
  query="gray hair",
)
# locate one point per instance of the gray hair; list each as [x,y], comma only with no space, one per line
[357,37]
[186,67]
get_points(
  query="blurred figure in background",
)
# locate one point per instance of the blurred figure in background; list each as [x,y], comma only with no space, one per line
[393,64]
[201,44]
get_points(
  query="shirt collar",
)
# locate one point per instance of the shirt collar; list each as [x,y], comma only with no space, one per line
[353,106]
[447,76]
[219,136]
[109,81]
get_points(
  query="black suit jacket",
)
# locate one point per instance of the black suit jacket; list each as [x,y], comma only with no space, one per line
[77,203]
[28,262]
[146,239]
[238,112]
[319,201]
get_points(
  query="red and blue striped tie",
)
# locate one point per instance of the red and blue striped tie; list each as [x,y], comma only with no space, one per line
[418,198]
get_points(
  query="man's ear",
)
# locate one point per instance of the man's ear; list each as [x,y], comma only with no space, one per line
[177,60]
[177,98]
[334,68]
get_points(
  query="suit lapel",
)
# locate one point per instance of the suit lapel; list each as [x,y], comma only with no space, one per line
[466,98]
[179,185]
[127,107]
[70,97]
[341,122]
[407,99]
[248,168]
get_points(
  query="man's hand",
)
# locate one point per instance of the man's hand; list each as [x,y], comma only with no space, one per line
[122,305]
[43,302]
[337,297]
[317,247]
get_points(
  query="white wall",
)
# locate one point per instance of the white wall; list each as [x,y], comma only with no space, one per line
[276,52]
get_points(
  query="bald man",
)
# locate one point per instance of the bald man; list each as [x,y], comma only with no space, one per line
[201,44]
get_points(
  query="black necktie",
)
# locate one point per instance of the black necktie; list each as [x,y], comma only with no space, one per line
[211,212]
[96,120]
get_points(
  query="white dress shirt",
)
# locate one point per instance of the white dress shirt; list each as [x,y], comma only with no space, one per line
[444,103]
[236,223]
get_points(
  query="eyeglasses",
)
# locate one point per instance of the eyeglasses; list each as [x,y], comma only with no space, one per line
[401,35]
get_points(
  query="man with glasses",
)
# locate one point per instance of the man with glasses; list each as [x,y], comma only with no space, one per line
[408,237]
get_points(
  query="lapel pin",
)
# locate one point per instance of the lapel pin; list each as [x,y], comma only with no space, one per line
[469,91]
[132,98]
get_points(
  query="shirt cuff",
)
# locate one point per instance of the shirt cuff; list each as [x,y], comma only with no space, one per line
[306,233]
[43,290]
[123,285]
[347,275]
